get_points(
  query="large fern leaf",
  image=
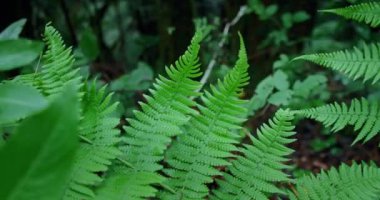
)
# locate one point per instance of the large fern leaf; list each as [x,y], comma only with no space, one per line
[150,131]
[57,69]
[209,137]
[363,63]
[368,13]
[254,174]
[363,115]
[99,144]
[359,181]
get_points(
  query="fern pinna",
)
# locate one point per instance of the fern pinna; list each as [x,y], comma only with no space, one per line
[97,129]
[256,173]
[209,137]
[150,131]
[57,69]
[363,115]
[99,143]
[368,13]
[358,181]
[361,62]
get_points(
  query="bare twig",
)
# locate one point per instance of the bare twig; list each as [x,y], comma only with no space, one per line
[221,43]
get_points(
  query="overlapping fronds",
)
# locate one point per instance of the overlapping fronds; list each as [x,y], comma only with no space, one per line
[57,69]
[209,137]
[167,109]
[362,114]
[363,63]
[368,13]
[359,181]
[254,174]
[151,129]
[99,145]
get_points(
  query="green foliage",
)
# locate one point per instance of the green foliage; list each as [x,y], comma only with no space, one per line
[175,147]
[13,31]
[129,186]
[89,44]
[359,63]
[18,53]
[256,173]
[209,137]
[168,108]
[365,12]
[359,181]
[363,115]
[138,79]
[19,101]
[99,146]
[57,70]
[37,159]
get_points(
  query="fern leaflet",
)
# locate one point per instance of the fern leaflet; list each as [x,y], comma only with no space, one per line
[363,115]
[99,145]
[209,137]
[57,70]
[150,132]
[361,63]
[254,174]
[368,13]
[359,181]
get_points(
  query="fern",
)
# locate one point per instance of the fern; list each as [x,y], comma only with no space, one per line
[57,70]
[150,132]
[363,115]
[360,63]
[368,13]
[209,138]
[254,174]
[359,181]
[99,143]
[130,185]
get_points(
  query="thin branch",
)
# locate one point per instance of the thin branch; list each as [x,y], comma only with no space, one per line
[221,43]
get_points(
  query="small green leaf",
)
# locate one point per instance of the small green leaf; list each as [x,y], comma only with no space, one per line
[280,98]
[271,10]
[13,31]
[18,53]
[300,16]
[138,79]
[19,101]
[89,44]
[280,80]
[37,159]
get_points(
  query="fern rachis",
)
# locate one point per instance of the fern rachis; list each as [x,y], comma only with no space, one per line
[209,138]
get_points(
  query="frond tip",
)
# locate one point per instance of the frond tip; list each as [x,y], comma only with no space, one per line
[368,13]
[359,181]
[363,115]
[209,137]
[254,174]
[358,63]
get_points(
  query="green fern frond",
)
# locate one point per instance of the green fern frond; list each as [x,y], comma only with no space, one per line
[209,137]
[150,131]
[363,115]
[361,62]
[57,69]
[359,181]
[368,13]
[99,146]
[128,186]
[167,109]
[254,174]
